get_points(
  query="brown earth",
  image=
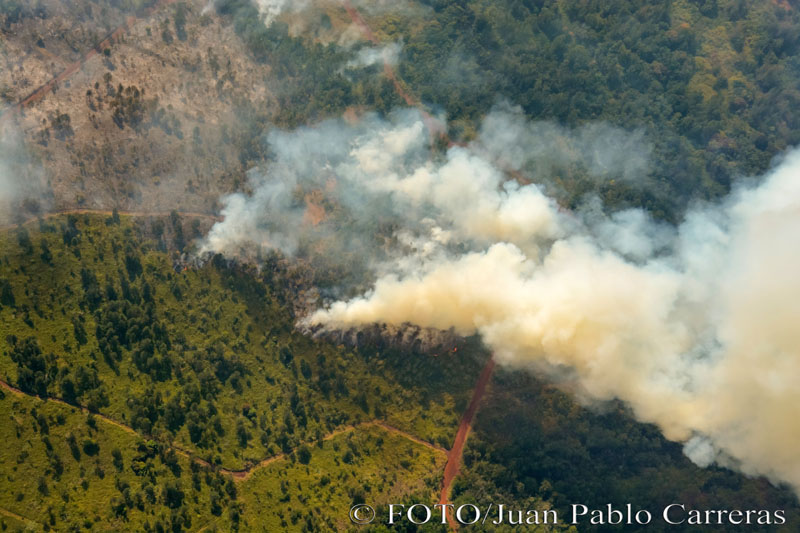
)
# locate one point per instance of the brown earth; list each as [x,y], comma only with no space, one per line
[454,455]
[196,99]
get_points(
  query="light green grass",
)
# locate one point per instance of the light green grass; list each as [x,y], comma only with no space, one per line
[384,468]
[233,309]
[81,494]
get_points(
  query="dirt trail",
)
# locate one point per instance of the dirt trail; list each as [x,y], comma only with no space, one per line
[107,420]
[237,475]
[241,475]
[454,456]
[435,127]
[409,436]
[15,516]
[40,92]
[387,68]
[108,212]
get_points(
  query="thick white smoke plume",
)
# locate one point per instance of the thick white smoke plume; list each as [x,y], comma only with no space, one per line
[693,326]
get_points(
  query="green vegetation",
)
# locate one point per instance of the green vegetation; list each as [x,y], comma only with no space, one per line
[711,82]
[177,396]
[65,470]
[68,472]
[208,357]
[203,362]
[387,468]
[533,443]
[317,87]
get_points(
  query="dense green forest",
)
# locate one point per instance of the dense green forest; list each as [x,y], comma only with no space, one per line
[313,83]
[535,443]
[713,83]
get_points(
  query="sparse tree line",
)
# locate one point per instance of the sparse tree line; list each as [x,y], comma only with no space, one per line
[159,486]
[317,86]
[130,107]
[119,314]
[185,359]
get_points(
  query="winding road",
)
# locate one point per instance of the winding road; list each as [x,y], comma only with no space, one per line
[454,455]
[237,475]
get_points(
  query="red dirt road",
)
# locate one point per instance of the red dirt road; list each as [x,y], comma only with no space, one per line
[435,128]
[454,455]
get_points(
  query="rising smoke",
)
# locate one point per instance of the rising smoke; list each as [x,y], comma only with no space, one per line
[271,10]
[692,326]
[9,187]
[21,188]
[384,55]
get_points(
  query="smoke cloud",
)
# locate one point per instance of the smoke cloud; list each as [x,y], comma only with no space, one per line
[384,55]
[542,147]
[692,326]
[9,188]
[20,179]
[270,10]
